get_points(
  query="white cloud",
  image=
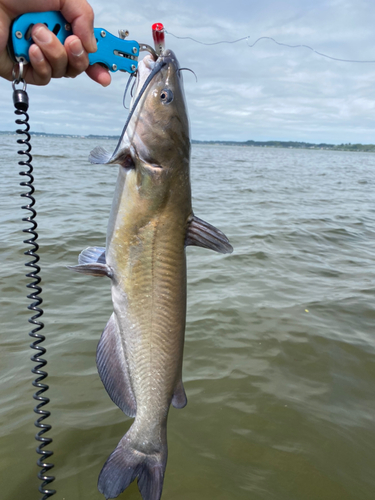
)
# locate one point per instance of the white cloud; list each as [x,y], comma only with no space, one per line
[264,92]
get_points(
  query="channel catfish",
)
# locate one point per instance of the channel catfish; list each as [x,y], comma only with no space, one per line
[139,355]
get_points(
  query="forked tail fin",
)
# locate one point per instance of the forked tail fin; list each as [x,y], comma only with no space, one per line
[126,463]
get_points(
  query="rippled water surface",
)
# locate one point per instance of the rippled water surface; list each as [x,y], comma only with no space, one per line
[279,356]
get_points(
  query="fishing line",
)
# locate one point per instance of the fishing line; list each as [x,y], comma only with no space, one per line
[267,38]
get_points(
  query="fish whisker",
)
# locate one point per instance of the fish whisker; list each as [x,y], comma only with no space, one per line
[127,88]
[188,69]
[131,90]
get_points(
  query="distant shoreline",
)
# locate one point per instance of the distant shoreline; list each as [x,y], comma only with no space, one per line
[367,148]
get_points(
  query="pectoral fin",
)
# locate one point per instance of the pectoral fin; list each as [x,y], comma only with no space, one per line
[92,261]
[113,370]
[123,157]
[100,156]
[93,269]
[91,255]
[203,234]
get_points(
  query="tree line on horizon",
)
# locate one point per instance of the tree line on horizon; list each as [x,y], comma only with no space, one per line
[269,144]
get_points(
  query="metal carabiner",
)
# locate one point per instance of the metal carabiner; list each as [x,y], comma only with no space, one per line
[18,78]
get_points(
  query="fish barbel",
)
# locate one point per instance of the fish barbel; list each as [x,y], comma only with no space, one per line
[139,355]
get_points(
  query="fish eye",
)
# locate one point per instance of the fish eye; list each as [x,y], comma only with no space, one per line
[166,96]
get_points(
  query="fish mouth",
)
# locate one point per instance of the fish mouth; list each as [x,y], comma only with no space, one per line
[167,56]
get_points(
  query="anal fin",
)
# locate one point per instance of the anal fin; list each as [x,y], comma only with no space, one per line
[113,370]
[179,399]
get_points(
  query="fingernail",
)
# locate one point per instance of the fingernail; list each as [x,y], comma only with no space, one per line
[36,54]
[38,57]
[76,48]
[42,34]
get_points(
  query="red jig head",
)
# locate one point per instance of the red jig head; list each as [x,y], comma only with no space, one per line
[158,36]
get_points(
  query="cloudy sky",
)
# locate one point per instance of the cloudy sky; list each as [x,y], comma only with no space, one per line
[267,92]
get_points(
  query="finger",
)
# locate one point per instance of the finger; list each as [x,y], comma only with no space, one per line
[52,49]
[39,71]
[77,56]
[99,74]
[6,64]
[81,17]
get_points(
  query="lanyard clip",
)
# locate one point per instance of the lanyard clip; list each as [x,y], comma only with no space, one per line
[20,97]
[18,76]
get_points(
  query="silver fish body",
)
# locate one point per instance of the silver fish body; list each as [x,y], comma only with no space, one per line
[139,356]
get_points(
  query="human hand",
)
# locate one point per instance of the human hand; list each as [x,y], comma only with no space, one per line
[48,57]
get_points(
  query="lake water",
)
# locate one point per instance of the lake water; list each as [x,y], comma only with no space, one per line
[280,341]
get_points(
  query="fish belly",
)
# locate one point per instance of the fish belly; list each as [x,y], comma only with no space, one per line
[149,298]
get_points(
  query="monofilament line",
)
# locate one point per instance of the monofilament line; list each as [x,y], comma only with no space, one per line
[246,38]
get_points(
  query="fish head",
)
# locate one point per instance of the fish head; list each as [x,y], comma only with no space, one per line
[156,134]
[161,123]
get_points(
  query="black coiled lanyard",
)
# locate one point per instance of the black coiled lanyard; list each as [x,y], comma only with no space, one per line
[21,103]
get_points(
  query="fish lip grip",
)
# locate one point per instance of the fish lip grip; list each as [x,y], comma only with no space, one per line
[115,53]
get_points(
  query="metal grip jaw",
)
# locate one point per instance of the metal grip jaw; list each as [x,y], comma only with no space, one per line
[115,53]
